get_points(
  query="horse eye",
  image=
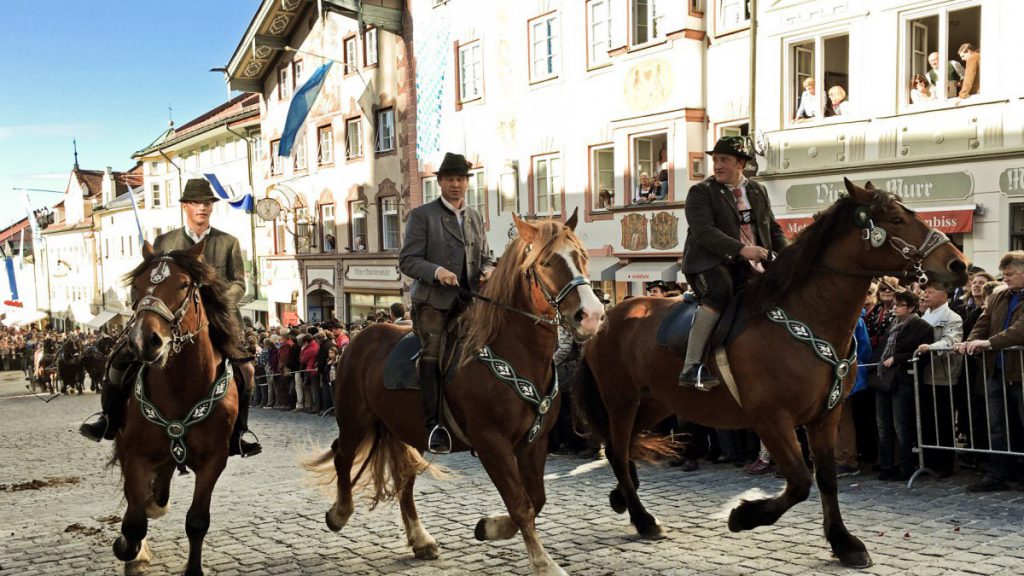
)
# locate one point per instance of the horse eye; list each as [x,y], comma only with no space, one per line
[184,285]
[897,220]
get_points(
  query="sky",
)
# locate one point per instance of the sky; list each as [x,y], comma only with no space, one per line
[104,73]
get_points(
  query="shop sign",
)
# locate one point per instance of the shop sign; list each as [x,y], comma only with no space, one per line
[13,303]
[371,273]
[1011,182]
[946,221]
[911,189]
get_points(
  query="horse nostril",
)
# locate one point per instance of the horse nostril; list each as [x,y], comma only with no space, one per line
[578,316]
[958,266]
[155,341]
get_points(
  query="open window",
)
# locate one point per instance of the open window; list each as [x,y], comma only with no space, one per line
[937,38]
[650,168]
[819,78]
[647,21]
[602,176]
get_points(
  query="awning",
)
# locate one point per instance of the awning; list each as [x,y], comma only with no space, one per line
[23,317]
[102,318]
[946,219]
[648,271]
[603,268]
[256,306]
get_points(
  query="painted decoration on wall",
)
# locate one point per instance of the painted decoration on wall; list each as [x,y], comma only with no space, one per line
[648,85]
[664,231]
[634,232]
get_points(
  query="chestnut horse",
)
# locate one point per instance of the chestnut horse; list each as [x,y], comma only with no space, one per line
[183,404]
[627,383]
[543,273]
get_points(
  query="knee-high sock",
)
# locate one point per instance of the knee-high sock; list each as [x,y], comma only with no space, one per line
[704,322]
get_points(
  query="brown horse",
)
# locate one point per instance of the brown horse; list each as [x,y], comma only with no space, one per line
[627,383]
[183,393]
[381,432]
[95,361]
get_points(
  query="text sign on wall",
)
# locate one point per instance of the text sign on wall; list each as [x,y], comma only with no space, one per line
[389,273]
[946,221]
[1011,182]
[926,188]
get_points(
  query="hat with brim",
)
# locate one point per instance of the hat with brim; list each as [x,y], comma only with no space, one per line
[733,146]
[890,282]
[656,284]
[198,190]
[454,164]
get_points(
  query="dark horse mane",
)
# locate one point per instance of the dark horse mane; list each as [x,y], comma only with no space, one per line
[224,330]
[797,261]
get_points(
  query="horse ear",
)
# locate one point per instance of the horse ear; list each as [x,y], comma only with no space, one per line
[571,222]
[147,250]
[528,232]
[197,250]
[860,195]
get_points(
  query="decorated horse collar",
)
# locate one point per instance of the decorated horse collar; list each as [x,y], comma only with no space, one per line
[822,349]
[523,388]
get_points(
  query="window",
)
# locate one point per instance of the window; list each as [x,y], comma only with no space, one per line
[299,150]
[280,234]
[810,61]
[476,192]
[547,182]
[544,58]
[284,91]
[370,47]
[357,216]
[430,189]
[389,223]
[937,38]
[650,162]
[1017,226]
[328,241]
[732,15]
[297,72]
[350,55]
[385,130]
[648,22]
[276,165]
[171,193]
[602,177]
[471,72]
[599,31]
[353,138]
[325,145]
[157,196]
[154,167]
[257,145]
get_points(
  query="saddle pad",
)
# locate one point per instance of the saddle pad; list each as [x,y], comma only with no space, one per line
[674,328]
[400,366]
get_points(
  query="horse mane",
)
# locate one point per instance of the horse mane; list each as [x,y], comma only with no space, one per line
[486,321]
[225,333]
[797,261]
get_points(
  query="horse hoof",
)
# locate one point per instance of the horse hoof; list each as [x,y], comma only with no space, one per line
[140,564]
[744,517]
[652,532]
[617,501]
[123,552]
[428,552]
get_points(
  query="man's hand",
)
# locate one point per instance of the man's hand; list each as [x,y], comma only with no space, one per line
[486,275]
[446,277]
[973,347]
[755,253]
[888,362]
[923,348]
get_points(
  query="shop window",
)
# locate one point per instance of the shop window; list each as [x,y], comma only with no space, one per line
[936,38]
[357,219]
[325,145]
[476,192]
[385,130]
[370,47]
[1017,226]
[602,177]
[547,185]
[328,231]
[545,60]
[351,61]
[651,164]
[430,189]
[361,308]
[389,223]
[648,21]
[471,71]
[599,31]
[732,15]
[353,138]
[826,57]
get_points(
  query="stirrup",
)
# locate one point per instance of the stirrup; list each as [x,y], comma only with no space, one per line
[258,448]
[705,384]
[86,429]
[443,437]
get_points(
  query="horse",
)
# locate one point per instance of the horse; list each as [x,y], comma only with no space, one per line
[182,393]
[95,361]
[44,367]
[626,382]
[543,277]
[69,365]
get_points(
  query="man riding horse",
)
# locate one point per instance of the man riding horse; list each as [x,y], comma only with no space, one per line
[445,250]
[731,231]
[222,252]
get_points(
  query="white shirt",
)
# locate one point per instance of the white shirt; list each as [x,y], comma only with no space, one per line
[197,238]
[460,213]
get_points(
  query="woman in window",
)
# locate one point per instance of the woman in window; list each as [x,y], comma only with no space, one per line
[920,90]
[837,95]
[808,108]
[661,167]
[646,190]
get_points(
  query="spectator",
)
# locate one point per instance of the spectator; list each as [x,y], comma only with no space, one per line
[310,381]
[656,289]
[894,407]
[271,346]
[645,190]
[286,364]
[398,315]
[840,105]
[661,169]
[939,371]
[846,434]
[920,90]
[563,439]
[954,74]
[808,107]
[971,83]
[879,317]
[1001,326]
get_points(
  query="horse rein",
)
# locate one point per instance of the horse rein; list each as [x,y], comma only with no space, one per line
[914,255]
[154,304]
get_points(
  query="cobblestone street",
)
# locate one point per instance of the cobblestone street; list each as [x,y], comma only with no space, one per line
[265,520]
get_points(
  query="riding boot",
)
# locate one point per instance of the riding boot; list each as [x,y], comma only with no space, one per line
[240,446]
[695,374]
[438,439]
[113,398]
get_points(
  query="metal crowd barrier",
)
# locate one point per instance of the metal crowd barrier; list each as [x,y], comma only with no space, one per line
[266,383]
[955,389]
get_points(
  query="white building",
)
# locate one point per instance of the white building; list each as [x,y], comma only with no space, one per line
[18,288]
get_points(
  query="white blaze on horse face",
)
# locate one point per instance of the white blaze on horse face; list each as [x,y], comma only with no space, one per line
[590,305]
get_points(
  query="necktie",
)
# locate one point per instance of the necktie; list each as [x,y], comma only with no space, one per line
[746,229]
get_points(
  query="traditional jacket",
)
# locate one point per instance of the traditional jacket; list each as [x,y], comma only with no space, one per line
[222,252]
[990,327]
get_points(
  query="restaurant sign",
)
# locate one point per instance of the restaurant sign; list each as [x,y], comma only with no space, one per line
[949,221]
[952,186]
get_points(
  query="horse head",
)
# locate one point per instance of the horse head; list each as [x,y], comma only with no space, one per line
[169,311]
[900,243]
[556,265]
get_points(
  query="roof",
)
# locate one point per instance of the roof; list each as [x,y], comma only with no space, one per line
[238,108]
[91,181]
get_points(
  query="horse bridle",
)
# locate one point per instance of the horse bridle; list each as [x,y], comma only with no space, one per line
[154,304]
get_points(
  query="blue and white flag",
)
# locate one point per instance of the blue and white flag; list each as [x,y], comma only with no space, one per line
[301,104]
[21,251]
[135,209]
[12,281]
[243,201]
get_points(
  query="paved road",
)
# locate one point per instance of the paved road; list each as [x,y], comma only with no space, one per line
[265,521]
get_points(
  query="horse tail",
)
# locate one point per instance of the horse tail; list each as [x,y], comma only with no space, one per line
[392,464]
[590,417]
[321,466]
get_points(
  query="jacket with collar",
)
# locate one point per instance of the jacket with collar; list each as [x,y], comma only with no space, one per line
[943,369]
[434,239]
[713,237]
[990,327]
[222,252]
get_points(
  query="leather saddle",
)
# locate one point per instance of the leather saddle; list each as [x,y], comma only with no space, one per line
[400,365]
[674,329]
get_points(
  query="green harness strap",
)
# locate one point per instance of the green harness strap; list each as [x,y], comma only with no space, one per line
[824,351]
[523,388]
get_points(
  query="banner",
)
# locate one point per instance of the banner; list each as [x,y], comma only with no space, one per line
[301,104]
[243,201]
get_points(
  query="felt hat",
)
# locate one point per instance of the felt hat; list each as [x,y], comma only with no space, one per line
[455,164]
[732,145]
[198,190]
